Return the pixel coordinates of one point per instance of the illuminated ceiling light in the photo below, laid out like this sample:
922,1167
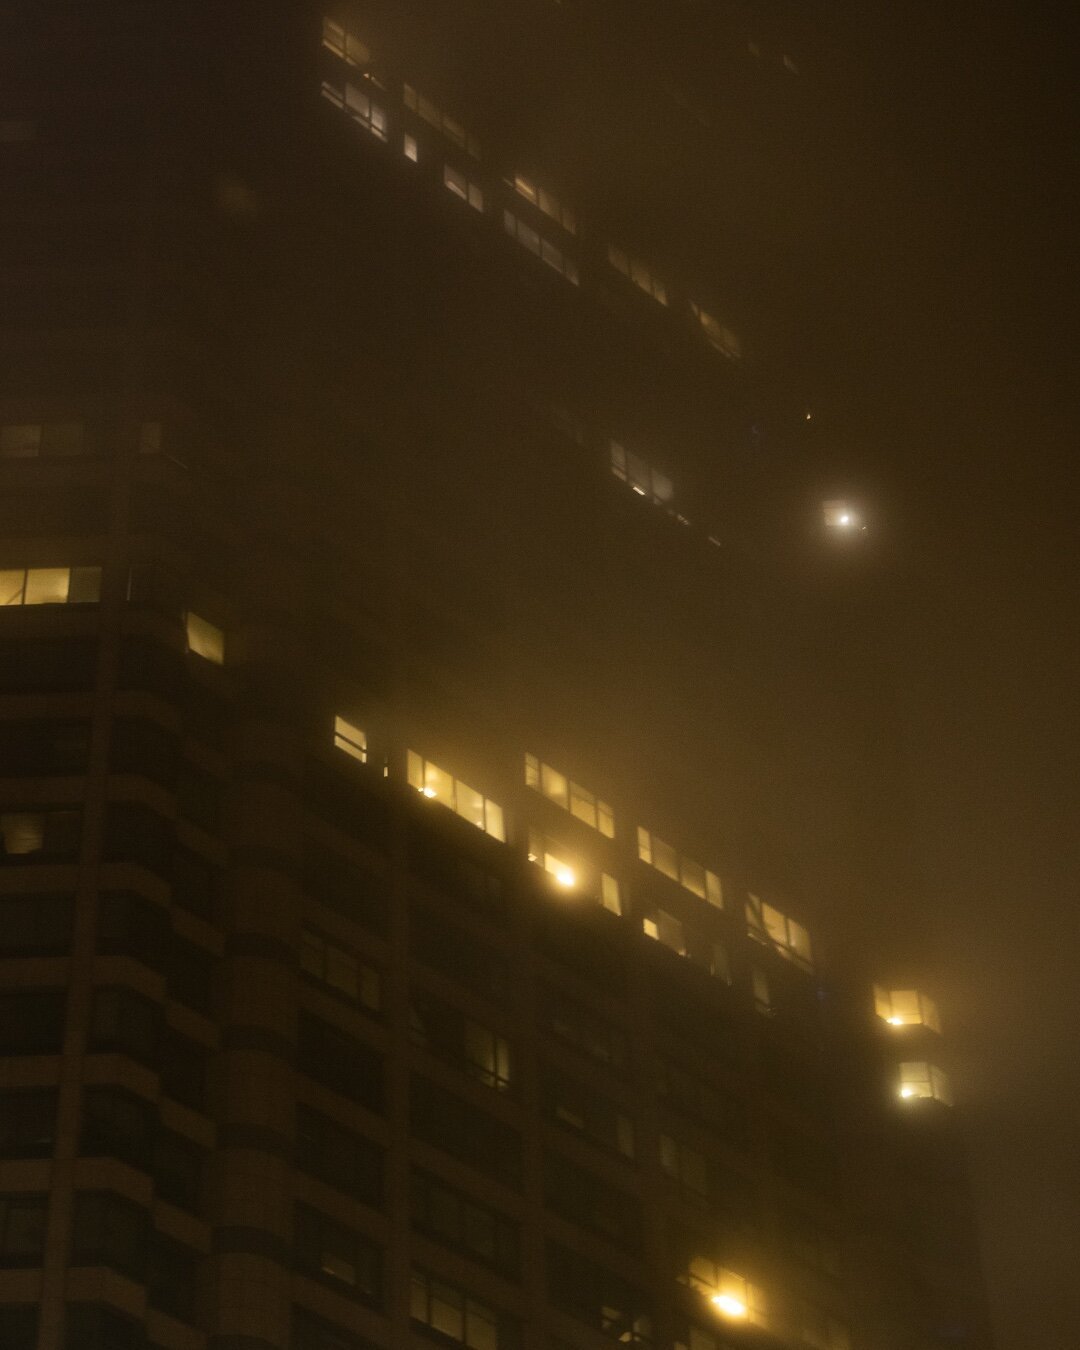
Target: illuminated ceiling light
428,792
895,1021
565,876
845,519
728,1305
907,1092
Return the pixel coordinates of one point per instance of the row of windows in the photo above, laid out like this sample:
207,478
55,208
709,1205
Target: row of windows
50,586
351,49
571,796
438,785
696,879
767,925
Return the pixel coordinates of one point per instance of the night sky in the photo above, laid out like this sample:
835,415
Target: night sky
949,393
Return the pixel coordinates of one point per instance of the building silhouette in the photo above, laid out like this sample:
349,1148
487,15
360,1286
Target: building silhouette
412,806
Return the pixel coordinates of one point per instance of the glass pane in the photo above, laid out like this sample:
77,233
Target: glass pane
205,639
714,892
665,859
481,1330
494,821
469,804
47,585
12,583
84,588
22,832
525,188
532,771
644,845
692,875
447,1314
583,805
553,785
438,784
609,893
350,739
605,820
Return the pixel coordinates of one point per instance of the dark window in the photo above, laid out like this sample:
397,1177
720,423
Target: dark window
194,883
457,954
91,1326
598,1297
173,1277
18,1327
346,887
27,1122
39,836
574,1024
146,748
586,1112
190,973
54,665
129,925
147,665
198,798
587,1200
691,1096
345,803
339,1157
178,1170
36,924
32,1022
334,1253
41,748
136,834
464,1224
336,1059
126,1023
446,1032
312,1333
183,1070
465,1132
576,943
446,869
22,1229
450,1314
117,1124
110,1231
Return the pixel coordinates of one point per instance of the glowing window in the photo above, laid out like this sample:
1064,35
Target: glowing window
22,832
459,185
767,925
640,477
410,147
636,271
906,1008
345,44
363,111
609,893
558,260
731,1295
546,202
692,876
921,1080
205,639
446,125
350,739
724,339
571,796
50,586
339,970
665,929
438,785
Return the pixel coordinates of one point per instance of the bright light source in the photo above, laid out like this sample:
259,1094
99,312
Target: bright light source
845,519
565,876
840,515
428,792
895,1021
908,1092
728,1305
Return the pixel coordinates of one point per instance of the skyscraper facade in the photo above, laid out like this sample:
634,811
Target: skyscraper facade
413,817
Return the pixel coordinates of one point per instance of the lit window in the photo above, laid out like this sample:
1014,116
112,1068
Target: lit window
841,517
338,39
546,202
724,339
571,796
692,876
767,925
919,1079
435,117
438,785
457,1316
906,1008
350,739
665,929
546,251
361,109
731,1295
460,186
638,273
205,639
50,586
640,477
684,1165
410,147
609,893
487,1055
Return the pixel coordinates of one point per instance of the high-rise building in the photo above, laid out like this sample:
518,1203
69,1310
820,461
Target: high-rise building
415,803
